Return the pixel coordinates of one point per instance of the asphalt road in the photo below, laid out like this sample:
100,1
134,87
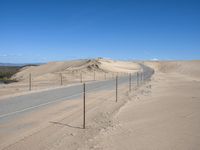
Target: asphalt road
14,106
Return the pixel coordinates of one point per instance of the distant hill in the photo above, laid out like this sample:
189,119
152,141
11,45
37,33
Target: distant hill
7,70
20,65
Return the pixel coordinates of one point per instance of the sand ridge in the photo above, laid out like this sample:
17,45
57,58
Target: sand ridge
51,69
49,75
189,68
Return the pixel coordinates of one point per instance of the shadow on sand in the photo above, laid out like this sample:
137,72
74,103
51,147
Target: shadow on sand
67,125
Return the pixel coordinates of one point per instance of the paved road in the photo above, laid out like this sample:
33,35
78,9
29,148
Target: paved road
12,107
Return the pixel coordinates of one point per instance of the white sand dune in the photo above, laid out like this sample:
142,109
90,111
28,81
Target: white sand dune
190,68
49,70
49,75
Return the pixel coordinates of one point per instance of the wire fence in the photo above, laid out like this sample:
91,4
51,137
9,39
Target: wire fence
108,82
131,80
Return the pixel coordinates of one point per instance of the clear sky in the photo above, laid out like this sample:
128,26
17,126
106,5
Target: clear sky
50,30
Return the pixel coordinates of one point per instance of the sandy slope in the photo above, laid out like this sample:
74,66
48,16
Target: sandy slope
165,115
49,75
190,68
51,69
162,114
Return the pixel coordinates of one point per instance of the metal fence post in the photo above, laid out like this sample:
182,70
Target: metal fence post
83,105
61,79
116,88
30,82
137,79
130,82
94,75
81,77
141,77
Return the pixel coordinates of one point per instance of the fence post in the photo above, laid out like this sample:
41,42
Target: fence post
116,88
83,105
81,77
61,79
30,82
137,79
130,82
141,77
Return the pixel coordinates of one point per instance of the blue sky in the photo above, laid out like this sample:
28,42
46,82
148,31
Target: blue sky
51,30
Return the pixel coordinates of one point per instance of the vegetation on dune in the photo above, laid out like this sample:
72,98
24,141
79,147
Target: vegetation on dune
6,72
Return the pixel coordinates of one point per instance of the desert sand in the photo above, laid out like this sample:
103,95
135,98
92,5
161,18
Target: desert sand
163,113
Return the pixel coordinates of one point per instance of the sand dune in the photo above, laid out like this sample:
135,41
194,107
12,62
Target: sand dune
190,68
49,70
49,75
